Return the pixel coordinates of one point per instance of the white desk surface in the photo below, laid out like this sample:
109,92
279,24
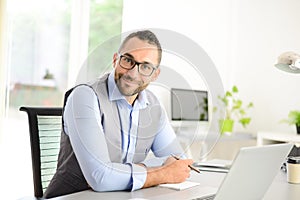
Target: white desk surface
279,190
264,137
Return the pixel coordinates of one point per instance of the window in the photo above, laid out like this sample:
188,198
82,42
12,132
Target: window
104,37
39,46
105,21
39,57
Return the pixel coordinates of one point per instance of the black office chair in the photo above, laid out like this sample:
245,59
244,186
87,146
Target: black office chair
45,129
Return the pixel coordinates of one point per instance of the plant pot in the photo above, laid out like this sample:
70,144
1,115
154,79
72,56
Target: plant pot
298,129
226,126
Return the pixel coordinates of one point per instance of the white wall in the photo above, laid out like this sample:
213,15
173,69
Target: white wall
265,29
208,25
244,39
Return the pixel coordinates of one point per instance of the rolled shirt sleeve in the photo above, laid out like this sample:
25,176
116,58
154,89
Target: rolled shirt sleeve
139,175
82,123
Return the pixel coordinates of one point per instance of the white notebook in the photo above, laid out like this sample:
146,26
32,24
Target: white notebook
180,186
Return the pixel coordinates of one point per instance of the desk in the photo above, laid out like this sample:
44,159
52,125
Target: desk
207,148
279,190
264,138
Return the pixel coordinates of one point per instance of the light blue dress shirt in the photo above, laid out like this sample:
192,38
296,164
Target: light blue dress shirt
83,125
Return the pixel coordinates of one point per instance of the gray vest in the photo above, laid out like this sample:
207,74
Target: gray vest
68,177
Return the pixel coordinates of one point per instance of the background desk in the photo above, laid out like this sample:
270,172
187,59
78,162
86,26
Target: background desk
279,190
264,137
226,147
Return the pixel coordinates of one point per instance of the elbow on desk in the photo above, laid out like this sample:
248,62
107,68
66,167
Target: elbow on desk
103,187
97,182
97,186
103,182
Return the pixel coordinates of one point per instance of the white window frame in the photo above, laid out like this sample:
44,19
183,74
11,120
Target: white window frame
79,39
3,61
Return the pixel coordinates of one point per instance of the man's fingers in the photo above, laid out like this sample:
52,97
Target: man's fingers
189,161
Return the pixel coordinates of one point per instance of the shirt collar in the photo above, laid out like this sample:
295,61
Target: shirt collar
114,94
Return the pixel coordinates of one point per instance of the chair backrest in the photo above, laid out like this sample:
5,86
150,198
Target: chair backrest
44,129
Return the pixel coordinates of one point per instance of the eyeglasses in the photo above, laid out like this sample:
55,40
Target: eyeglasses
126,62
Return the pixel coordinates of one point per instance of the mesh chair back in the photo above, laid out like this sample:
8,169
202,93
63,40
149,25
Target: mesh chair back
45,129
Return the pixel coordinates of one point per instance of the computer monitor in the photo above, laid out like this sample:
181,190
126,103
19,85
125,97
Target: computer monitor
189,105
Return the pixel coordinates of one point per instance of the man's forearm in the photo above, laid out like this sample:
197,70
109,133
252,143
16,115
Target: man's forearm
155,176
173,171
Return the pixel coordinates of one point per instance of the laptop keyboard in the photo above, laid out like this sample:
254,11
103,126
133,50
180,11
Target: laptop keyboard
211,197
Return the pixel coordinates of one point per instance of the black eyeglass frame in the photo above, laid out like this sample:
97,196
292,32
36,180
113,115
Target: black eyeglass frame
135,63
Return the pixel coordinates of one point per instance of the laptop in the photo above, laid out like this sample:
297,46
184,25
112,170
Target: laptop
251,173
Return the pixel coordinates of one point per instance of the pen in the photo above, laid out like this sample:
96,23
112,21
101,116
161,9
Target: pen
190,166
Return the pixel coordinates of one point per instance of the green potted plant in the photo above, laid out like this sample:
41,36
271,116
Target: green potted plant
233,109
294,119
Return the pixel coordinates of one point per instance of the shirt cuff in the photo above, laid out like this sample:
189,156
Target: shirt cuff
139,175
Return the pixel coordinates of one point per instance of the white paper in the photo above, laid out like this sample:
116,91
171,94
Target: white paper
180,186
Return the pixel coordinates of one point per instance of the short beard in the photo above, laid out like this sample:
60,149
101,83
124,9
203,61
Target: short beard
124,91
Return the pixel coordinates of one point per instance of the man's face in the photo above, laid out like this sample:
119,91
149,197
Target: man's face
129,81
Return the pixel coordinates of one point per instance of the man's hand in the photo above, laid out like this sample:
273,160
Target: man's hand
176,171
172,171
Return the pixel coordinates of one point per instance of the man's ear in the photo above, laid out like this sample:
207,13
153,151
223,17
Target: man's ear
115,59
155,74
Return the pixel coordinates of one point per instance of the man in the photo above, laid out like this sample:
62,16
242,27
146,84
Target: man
110,125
